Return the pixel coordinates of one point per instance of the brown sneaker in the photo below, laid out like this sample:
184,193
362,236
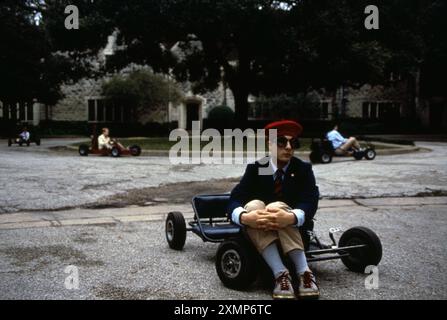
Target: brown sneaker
308,288
283,287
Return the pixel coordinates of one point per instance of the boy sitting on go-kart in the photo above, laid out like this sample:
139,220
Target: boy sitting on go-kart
23,136
271,207
342,146
105,142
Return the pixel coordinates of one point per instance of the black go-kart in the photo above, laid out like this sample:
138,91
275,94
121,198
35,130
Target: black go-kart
322,151
21,142
238,264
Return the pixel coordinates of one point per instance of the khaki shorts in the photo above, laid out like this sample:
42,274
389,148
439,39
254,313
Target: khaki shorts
289,237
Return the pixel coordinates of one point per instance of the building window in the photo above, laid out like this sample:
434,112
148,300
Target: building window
381,110
102,110
21,111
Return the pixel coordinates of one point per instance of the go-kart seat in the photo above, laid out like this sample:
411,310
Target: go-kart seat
208,209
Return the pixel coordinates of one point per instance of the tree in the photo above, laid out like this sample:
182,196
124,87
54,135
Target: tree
30,64
141,90
262,47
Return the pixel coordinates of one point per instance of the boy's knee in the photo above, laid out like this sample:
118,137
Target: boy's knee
254,205
277,205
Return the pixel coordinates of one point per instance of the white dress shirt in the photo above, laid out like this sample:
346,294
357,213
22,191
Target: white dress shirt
336,138
104,142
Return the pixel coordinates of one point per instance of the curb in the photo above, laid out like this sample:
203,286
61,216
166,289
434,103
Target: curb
396,149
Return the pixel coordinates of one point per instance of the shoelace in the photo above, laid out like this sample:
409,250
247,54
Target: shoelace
284,281
308,279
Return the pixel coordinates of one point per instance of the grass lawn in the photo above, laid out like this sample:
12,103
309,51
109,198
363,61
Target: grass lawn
163,143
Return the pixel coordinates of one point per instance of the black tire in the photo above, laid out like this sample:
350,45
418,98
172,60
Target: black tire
370,154
83,150
20,143
175,230
9,142
359,259
236,264
325,158
115,152
28,143
135,150
38,142
313,157
358,155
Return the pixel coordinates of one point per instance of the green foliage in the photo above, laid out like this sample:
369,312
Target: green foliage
223,113
284,106
142,89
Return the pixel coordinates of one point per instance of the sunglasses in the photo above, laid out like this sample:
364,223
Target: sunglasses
282,142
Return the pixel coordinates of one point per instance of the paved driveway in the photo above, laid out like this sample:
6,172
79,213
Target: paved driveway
36,178
131,260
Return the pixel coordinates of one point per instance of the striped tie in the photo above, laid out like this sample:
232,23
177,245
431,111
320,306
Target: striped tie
278,183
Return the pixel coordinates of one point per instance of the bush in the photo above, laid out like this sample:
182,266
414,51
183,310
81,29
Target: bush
284,106
220,117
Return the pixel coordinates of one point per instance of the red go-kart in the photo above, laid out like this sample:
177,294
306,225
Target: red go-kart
115,151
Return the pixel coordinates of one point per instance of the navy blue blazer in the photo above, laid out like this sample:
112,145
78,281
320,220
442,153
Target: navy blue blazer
298,188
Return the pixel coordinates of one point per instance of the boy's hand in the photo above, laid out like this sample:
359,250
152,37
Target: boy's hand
277,219
254,219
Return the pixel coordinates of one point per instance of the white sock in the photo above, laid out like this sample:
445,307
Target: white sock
299,260
273,259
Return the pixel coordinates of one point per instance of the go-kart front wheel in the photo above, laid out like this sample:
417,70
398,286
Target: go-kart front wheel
38,142
135,150
9,142
175,230
236,264
115,152
370,154
358,259
83,150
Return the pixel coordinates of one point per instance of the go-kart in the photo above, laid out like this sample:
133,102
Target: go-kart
237,261
322,151
115,151
32,139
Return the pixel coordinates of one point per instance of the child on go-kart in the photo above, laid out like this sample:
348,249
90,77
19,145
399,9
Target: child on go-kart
342,146
23,136
104,141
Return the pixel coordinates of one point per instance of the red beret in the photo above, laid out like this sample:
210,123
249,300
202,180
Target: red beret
285,128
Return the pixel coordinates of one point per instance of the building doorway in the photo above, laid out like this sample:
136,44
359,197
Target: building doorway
192,113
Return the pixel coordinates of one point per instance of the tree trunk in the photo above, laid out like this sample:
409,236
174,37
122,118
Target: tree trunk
240,107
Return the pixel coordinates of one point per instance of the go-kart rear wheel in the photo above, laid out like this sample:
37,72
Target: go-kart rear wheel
115,152
175,230
9,142
370,154
236,264
358,155
83,150
313,157
28,143
135,150
325,158
359,259
38,142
